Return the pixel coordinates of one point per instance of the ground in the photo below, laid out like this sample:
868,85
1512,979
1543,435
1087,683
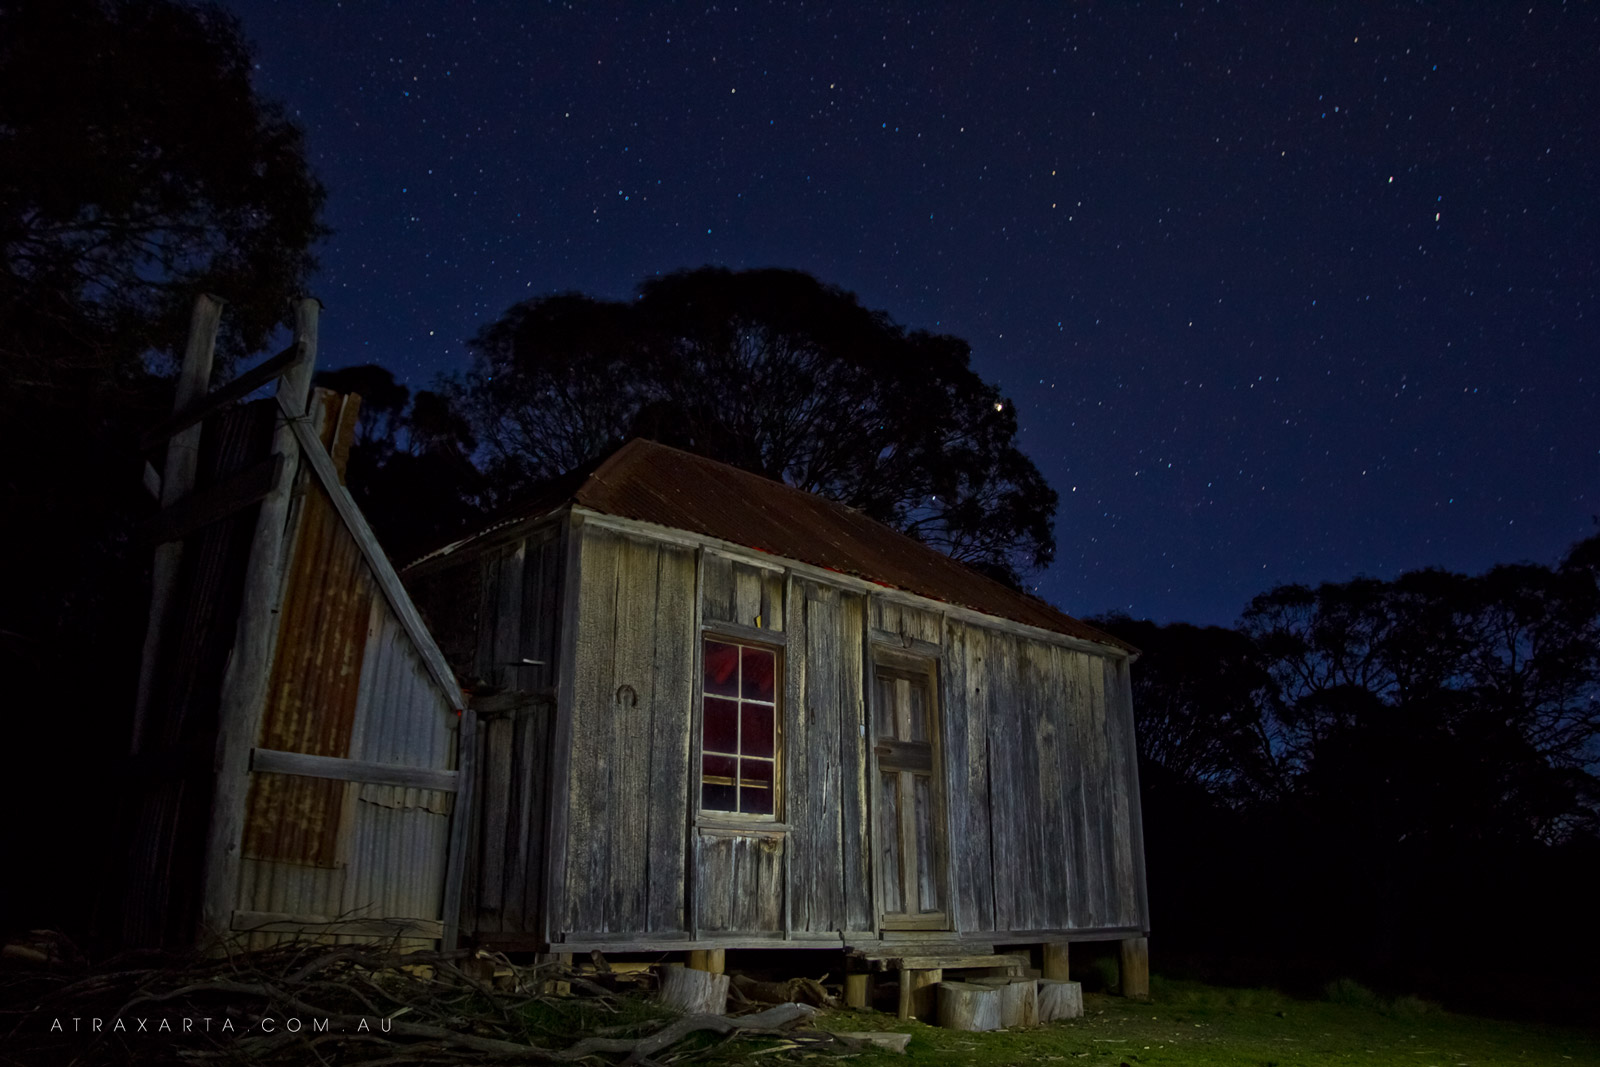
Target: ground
1196,1025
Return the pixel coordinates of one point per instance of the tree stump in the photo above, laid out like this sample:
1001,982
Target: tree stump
1019,1000
694,992
1056,966
968,1006
858,991
1059,1000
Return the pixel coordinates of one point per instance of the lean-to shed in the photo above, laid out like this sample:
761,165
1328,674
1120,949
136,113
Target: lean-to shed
293,771
714,711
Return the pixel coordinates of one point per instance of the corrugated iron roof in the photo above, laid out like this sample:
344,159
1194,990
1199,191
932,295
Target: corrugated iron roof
652,482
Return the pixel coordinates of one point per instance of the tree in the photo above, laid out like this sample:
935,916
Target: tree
137,168
1485,689
1202,700
777,373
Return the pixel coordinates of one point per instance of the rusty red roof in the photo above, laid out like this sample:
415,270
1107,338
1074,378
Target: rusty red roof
651,482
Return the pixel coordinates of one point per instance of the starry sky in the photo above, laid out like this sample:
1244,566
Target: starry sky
1283,292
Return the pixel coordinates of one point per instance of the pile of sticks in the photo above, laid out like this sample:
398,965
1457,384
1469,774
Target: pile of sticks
313,1003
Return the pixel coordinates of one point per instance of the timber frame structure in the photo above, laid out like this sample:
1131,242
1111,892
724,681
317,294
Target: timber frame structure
948,763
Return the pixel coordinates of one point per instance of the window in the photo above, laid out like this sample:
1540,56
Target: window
739,729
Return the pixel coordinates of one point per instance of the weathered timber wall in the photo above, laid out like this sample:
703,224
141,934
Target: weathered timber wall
1041,811
826,755
627,773
1041,786
496,616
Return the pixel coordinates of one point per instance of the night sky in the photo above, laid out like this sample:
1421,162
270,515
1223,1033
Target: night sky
1282,291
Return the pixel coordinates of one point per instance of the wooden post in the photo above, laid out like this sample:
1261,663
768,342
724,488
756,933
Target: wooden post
461,821
177,482
1055,964
244,683
858,991
713,960
1136,967
919,991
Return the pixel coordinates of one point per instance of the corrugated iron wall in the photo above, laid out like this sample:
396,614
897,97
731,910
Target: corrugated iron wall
346,683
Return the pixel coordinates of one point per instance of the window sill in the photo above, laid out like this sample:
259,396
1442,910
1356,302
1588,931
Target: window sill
732,826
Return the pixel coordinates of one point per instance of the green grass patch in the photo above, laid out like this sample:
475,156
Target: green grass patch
558,1023
1196,1025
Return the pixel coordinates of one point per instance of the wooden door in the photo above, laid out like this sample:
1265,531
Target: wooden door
909,802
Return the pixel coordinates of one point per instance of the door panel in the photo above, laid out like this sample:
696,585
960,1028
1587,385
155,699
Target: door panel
910,845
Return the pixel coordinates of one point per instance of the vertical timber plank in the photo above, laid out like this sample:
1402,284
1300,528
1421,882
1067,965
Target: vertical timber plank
177,481
673,712
860,911
461,818
630,711
559,769
244,683
590,825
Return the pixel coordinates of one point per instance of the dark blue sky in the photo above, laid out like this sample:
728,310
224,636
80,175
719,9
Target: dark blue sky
1282,291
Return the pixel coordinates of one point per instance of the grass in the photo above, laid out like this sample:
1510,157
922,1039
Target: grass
1197,1025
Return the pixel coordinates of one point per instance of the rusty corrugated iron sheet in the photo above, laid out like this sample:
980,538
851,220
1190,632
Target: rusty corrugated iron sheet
316,673
654,483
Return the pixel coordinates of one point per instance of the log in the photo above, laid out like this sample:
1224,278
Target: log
858,991
884,1039
694,992
1059,1000
1055,962
794,991
1019,1000
968,1006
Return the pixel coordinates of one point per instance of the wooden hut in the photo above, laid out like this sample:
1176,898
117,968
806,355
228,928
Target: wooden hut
717,712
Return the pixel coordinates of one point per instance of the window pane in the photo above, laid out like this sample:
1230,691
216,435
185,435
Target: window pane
755,786
721,725
717,790
885,708
919,713
757,739
758,668
721,669
927,881
889,842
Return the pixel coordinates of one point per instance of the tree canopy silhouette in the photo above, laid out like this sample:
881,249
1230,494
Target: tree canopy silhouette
775,372
1363,767
137,168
